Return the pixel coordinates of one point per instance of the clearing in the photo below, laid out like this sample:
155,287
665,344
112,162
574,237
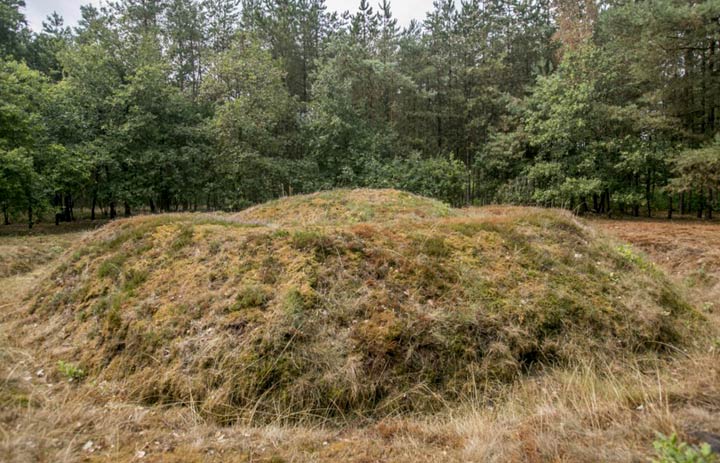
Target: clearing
369,326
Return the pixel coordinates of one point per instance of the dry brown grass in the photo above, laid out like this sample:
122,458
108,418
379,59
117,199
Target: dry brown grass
605,410
343,207
565,416
22,254
688,250
347,322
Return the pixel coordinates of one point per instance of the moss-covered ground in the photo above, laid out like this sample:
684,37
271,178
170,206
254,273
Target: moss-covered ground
350,314
483,335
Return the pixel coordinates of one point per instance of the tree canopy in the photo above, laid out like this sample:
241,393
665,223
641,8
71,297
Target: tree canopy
163,105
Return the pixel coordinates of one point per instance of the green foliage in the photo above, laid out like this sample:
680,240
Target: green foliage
133,278
112,266
184,238
26,156
254,109
435,246
252,296
70,371
670,449
14,36
201,104
439,178
697,170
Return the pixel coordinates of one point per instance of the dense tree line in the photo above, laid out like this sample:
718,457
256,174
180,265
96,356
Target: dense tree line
217,104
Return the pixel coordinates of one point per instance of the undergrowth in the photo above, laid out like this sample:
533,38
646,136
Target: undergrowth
670,449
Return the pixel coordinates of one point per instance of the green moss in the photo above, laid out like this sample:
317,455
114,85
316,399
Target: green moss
294,302
214,247
133,278
473,228
359,320
270,270
112,266
671,298
152,340
313,241
556,311
251,296
183,238
105,303
552,220
280,234
307,239
435,246
219,276
113,320
60,299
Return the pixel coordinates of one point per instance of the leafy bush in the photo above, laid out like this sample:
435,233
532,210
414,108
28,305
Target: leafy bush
672,450
70,371
435,177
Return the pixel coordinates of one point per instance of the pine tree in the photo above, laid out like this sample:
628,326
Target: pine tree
223,20
185,39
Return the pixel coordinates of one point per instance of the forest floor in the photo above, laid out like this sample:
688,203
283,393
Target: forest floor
688,250
563,416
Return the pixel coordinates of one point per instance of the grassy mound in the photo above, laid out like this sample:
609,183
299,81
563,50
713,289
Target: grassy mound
350,319
344,207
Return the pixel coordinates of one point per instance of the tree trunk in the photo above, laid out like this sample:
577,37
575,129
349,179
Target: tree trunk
609,202
127,209
670,206
30,215
682,203
648,194
6,215
711,77
584,207
69,204
94,203
701,205
709,213
94,194
113,212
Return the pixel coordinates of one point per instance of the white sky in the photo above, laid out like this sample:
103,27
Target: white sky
37,10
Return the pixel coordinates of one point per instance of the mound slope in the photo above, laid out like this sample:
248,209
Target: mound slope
347,319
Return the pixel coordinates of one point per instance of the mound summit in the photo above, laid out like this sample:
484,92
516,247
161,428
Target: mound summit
347,303
346,207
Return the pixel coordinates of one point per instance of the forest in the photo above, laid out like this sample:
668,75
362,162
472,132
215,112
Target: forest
606,106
